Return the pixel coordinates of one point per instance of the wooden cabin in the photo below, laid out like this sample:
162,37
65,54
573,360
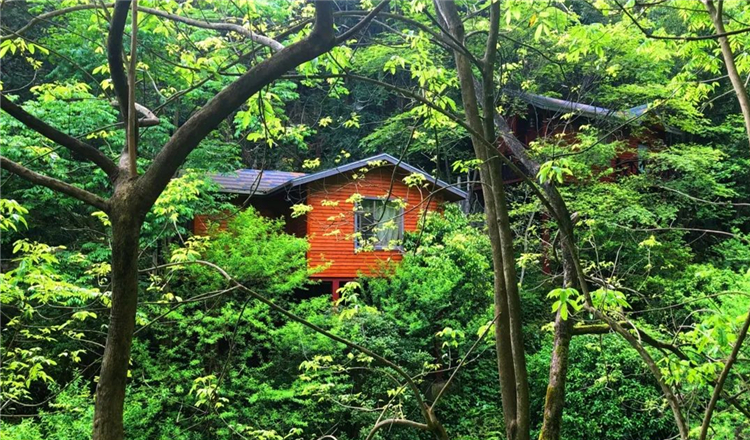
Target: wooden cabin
545,117
354,216
540,117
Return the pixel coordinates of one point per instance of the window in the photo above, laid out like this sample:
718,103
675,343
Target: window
379,224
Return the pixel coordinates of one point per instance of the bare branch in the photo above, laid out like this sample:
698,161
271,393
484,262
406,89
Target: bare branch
260,39
49,15
74,145
698,199
114,55
396,422
54,184
414,23
149,119
600,329
362,23
647,34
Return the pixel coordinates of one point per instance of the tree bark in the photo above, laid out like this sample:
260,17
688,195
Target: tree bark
555,398
110,391
554,402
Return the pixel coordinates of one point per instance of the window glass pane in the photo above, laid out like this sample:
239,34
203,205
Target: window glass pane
379,224
388,228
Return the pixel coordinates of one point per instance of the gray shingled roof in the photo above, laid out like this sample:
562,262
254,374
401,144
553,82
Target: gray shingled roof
255,182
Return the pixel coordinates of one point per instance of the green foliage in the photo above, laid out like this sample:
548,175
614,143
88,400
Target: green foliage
609,393
208,361
255,251
45,317
565,298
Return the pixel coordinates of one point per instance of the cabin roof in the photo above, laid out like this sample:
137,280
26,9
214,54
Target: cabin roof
586,110
258,182
591,111
253,182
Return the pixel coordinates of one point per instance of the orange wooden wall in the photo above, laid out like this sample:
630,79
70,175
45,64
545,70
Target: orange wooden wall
329,228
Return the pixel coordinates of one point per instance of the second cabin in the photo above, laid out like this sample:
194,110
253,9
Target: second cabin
354,216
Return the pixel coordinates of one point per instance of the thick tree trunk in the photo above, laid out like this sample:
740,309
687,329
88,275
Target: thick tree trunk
110,391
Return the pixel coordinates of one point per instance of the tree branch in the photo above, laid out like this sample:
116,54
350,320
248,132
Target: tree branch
397,422
723,378
362,23
436,35
188,136
603,328
114,55
45,16
647,34
54,184
231,27
74,145
219,26
149,119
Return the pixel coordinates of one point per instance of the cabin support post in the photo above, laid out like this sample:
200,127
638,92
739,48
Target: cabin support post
335,286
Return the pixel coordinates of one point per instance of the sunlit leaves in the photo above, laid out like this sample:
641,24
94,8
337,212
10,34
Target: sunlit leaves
300,209
175,200
265,120
554,171
609,300
206,392
57,91
32,293
451,337
566,299
352,122
12,215
21,46
193,249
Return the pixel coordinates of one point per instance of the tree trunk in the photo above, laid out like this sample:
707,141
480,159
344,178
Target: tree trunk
511,358
110,391
554,402
726,51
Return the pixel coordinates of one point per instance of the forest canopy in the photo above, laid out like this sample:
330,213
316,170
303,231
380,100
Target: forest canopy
593,282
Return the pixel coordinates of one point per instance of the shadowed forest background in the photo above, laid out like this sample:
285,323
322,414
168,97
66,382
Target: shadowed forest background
605,243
